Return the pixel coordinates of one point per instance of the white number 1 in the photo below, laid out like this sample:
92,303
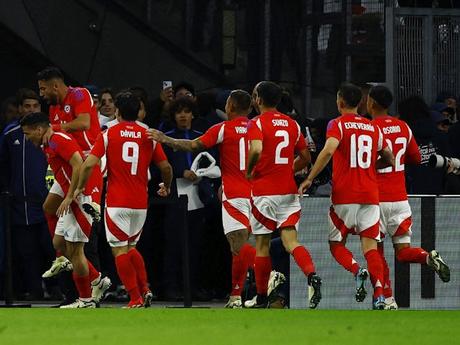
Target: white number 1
131,157
242,149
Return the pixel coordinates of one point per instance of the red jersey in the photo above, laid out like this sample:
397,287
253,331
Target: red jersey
129,153
354,176
77,101
233,149
281,137
399,138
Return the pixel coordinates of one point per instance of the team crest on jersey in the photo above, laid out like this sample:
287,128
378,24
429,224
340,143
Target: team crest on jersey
56,117
67,108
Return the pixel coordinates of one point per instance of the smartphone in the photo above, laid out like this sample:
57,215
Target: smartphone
167,84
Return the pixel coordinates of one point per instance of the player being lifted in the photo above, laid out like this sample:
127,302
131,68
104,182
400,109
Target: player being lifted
354,143
229,136
273,140
71,110
129,154
74,225
395,211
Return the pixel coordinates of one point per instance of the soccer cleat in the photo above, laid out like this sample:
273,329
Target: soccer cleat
379,303
234,302
314,290
98,289
257,302
361,278
275,281
59,265
93,209
147,297
79,304
390,303
436,262
139,303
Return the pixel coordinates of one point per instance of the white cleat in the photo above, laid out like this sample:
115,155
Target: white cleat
390,303
59,265
79,304
93,209
234,302
436,262
99,288
274,283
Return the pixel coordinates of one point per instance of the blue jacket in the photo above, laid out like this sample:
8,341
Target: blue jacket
22,173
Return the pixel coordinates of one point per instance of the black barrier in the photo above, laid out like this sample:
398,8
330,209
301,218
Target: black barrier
8,276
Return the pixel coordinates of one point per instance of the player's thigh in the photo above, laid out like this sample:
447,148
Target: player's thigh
53,199
75,226
122,225
342,221
137,221
400,222
236,239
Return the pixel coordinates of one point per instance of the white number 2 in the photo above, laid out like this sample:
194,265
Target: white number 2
285,135
399,165
360,151
130,154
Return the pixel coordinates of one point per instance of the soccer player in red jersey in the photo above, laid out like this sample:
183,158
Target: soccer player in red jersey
129,153
273,140
229,136
73,111
395,211
354,143
74,225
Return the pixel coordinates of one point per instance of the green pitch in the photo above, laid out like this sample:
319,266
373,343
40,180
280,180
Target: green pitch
109,326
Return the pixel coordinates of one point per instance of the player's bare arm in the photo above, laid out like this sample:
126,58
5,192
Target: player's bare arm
166,176
85,172
176,144
76,161
323,159
386,159
302,160
255,150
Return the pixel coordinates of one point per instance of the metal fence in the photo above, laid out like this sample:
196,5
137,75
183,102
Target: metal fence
423,52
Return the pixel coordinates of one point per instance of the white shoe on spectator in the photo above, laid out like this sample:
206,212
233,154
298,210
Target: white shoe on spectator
60,264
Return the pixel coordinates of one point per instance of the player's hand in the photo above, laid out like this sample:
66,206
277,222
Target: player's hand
47,136
305,185
64,207
156,135
167,95
190,175
163,191
77,192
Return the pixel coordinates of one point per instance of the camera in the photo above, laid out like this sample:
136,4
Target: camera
450,165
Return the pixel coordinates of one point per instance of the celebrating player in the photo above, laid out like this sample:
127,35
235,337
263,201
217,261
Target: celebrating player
236,190
74,225
71,110
395,211
129,153
273,138
353,142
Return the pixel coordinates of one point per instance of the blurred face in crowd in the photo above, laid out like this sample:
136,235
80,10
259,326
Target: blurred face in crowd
34,134
107,105
29,105
11,113
184,119
181,93
451,102
49,90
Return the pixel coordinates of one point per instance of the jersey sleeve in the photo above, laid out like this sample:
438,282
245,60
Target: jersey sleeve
254,130
212,136
82,101
64,147
413,155
334,130
98,149
158,153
